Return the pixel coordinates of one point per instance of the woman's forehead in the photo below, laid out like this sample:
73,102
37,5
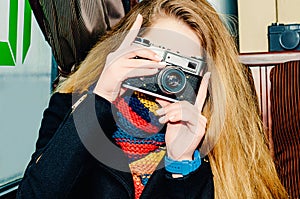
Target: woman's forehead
175,35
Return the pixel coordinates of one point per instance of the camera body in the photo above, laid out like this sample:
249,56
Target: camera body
178,81
284,37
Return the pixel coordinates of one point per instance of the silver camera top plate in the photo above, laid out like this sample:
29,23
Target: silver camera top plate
193,65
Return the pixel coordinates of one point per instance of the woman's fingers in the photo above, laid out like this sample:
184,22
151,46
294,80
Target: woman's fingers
131,56
162,102
133,32
202,92
177,112
142,63
137,68
143,72
134,52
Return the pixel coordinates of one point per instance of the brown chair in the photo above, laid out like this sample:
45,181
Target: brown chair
277,82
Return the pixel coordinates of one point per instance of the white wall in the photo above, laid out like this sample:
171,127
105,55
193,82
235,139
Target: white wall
256,15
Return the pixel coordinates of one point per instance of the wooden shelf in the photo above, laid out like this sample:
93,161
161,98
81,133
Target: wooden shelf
268,58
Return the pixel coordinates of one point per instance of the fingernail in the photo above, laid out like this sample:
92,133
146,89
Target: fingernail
160,111
171,118
208,74
157,57
162,63
140,15
162,119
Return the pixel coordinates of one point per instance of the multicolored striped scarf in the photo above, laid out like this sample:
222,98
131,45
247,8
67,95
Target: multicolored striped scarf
140,135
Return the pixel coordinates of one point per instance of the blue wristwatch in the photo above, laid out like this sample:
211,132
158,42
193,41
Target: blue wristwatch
183,167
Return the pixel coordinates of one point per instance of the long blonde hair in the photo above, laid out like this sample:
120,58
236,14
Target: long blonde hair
239,157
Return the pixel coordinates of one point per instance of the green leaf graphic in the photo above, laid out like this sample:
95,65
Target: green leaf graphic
9,49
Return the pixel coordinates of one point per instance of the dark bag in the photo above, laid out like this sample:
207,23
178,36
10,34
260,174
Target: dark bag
72,27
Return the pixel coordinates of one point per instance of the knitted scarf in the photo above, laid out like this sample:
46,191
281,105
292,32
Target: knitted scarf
140,136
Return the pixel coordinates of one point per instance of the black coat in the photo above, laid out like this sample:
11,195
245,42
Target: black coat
67,169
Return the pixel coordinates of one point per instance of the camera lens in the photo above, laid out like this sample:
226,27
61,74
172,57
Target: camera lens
289,39
171,80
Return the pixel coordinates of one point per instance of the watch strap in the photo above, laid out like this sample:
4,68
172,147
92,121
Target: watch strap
183,167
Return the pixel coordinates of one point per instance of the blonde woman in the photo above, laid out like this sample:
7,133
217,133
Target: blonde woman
121,143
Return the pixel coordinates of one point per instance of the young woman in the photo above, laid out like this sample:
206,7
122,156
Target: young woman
120,143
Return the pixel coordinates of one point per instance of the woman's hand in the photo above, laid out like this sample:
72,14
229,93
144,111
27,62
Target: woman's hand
185,124
123,63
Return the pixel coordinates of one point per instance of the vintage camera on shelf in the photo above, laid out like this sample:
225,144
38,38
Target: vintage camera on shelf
284,37
178,81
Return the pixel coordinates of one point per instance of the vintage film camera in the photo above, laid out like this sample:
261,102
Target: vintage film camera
178,81
284,37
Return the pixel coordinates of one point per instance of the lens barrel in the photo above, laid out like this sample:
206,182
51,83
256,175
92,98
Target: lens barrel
171,80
